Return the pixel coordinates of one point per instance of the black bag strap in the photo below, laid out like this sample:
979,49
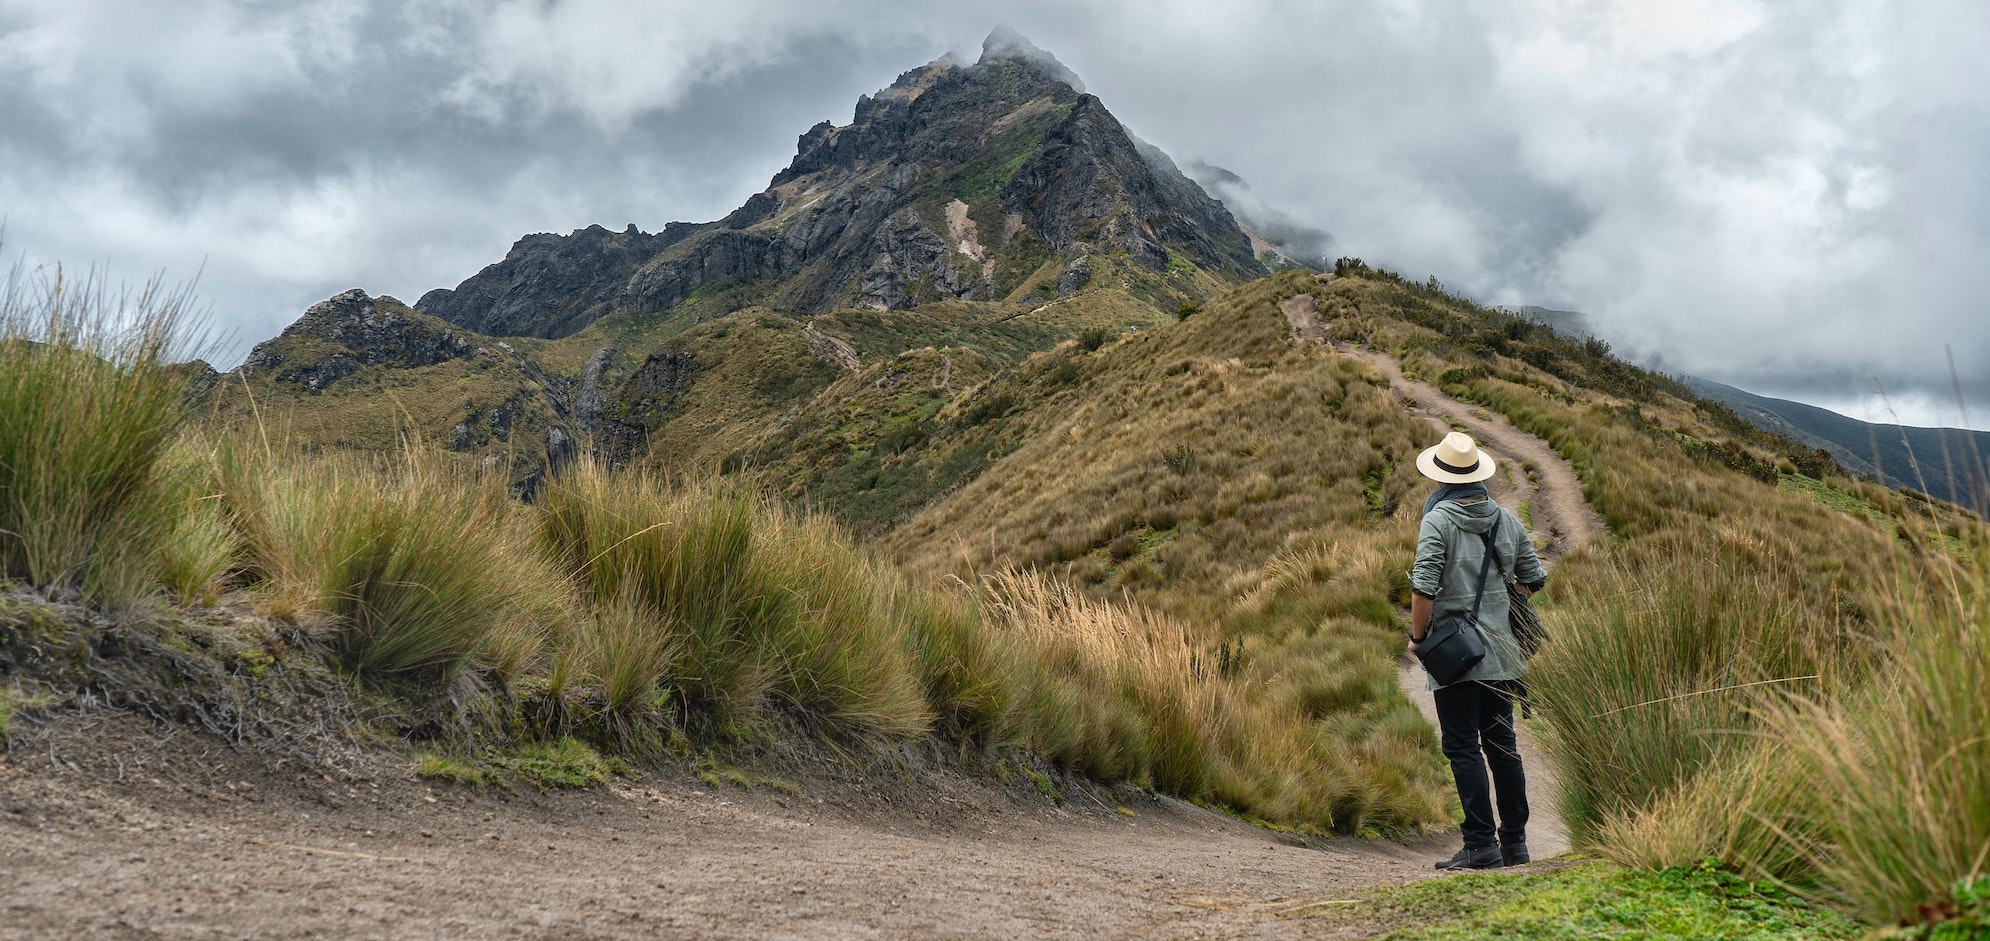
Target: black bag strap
1492,553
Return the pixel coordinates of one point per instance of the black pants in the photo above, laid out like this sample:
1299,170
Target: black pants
1476,721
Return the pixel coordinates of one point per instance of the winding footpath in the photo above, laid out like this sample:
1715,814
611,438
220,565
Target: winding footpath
1533,481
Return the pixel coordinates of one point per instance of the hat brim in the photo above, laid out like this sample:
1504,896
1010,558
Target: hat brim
1426,463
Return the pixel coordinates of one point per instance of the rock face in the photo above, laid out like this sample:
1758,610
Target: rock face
863,214
550,285
642,403
336,337
592,396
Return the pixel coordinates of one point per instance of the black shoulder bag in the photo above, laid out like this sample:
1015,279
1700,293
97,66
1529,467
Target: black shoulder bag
1455,643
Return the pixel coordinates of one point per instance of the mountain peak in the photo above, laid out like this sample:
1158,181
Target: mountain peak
995,181
1005,43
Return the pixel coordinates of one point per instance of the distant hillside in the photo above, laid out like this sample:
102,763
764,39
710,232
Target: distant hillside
1942,462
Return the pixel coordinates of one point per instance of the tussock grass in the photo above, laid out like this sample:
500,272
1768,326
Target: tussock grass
1122,692
1657,668
758,602
405,565
88,415
1899,771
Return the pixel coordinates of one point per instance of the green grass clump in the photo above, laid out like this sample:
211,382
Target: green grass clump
1598,900
564,763
410,565
1657,669
88,412
436,767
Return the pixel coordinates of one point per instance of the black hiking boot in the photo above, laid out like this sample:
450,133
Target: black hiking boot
1485,857
1514,854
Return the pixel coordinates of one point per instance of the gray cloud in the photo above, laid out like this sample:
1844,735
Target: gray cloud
1785,197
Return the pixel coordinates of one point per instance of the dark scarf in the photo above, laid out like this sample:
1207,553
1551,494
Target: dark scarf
1453,492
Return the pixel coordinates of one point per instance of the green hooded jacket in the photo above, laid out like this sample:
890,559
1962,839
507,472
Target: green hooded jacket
1450,547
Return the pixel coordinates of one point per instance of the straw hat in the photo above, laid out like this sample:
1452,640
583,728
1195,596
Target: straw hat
1455,460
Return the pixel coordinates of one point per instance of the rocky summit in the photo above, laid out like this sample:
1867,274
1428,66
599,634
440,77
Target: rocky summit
956,182
968,217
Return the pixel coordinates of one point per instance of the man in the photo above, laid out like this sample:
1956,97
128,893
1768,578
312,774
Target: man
1475,714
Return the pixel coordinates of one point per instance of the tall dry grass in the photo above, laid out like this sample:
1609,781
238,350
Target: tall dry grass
1898,771
405,564
756,603
1122,692
88,414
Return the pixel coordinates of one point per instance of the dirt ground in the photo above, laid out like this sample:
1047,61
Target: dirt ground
108,832
112,828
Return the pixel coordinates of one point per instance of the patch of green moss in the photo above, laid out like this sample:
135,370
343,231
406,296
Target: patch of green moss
1044,784
1824,493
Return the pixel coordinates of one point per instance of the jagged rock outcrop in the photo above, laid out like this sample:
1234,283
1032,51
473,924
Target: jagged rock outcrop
1075,277
592,395
337,336
481,426
642,404
552,285
861,216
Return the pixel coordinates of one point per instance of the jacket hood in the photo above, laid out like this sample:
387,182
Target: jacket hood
1476,516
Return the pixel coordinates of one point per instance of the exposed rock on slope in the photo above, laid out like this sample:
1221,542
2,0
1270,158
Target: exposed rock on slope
644,402
335,337
550,285
1008,147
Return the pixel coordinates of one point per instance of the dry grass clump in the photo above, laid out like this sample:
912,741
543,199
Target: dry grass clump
407,565
1898,772
88,414
728,601
1121,692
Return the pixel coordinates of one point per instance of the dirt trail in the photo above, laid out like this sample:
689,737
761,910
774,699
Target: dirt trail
1535,482
106,832
171,842
1531,474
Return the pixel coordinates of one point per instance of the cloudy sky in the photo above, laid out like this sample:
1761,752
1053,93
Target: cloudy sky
1791,197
